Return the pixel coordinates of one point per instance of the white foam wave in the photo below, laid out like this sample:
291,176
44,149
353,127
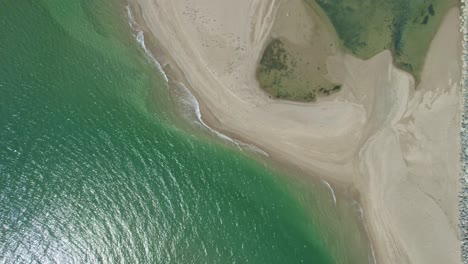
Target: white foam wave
372,259
358,207
196,108
254,149
140,37
331,190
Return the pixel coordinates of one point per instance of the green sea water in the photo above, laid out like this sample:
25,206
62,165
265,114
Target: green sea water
93,168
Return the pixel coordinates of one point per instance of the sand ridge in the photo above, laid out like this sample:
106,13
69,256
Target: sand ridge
398,146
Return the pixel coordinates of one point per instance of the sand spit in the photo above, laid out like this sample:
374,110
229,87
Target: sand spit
396,145
189,98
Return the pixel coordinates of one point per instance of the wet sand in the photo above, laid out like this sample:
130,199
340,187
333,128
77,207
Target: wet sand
397,146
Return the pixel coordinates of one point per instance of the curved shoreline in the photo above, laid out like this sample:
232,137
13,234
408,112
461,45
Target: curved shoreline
237,141
193,100
340,67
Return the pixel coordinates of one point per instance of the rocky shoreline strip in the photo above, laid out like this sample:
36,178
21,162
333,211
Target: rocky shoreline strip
463,202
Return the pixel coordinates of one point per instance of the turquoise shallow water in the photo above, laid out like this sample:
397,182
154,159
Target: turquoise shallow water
93,170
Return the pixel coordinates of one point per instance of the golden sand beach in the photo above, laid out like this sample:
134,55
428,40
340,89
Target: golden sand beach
394,144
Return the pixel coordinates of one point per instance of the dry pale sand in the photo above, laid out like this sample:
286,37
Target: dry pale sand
397,145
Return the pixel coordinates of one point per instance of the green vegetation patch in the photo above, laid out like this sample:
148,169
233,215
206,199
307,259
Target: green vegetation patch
406,27
275,57
288,72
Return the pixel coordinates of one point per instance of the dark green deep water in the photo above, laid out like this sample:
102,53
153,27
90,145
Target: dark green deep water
93,170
